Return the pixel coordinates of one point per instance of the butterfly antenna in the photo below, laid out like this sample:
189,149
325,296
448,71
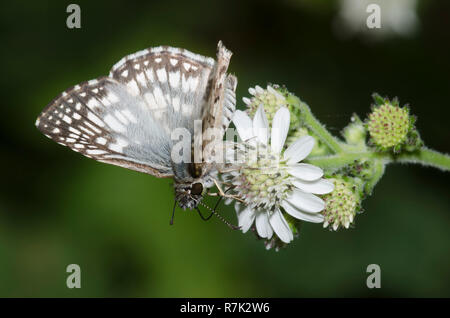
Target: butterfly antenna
220,217
201,215
173,213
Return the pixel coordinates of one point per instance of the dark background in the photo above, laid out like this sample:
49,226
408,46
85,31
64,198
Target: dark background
58,208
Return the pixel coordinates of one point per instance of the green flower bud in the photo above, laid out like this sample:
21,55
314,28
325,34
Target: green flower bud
272,99
388,126
358,170
355,132
342,204
391,128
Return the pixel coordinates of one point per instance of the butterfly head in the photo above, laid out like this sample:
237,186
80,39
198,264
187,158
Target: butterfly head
189,195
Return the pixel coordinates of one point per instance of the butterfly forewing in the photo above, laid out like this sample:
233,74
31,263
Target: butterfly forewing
221,105
173,83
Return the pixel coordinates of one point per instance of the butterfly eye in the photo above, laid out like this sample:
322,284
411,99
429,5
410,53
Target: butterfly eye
197,188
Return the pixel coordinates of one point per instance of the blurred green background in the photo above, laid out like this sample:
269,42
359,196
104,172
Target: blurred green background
59,208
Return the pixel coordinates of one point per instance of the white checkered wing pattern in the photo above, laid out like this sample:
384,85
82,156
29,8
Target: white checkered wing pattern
126,118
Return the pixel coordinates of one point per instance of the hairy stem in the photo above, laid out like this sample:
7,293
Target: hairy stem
340,160
316,127
426,157
377,173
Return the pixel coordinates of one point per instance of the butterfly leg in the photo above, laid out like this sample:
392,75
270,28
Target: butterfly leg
221,193
230,170
234,197
219,188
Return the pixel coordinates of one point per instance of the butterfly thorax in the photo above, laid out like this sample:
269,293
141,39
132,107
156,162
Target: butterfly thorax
191,181
188,195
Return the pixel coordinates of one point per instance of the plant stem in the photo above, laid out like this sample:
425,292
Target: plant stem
316,127
337,161
377,173
426,157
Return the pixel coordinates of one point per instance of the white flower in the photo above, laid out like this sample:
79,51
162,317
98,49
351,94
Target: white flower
271,180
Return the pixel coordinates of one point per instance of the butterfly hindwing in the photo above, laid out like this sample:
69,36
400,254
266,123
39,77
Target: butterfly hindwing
102,120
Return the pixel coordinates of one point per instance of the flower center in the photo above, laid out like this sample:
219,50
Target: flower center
263,181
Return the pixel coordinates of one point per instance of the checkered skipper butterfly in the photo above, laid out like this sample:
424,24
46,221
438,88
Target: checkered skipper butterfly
126,118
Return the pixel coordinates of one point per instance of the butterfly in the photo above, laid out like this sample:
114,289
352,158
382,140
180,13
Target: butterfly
126,118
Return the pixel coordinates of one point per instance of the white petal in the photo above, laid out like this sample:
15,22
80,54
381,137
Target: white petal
262,225
301,215
305,201
299,149
246,218
243,125
261,125
259,89
321,186
305,171
273,91
280,128
280,226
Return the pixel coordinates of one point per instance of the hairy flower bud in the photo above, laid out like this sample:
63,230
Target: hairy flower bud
391,127
341,205
272,99
355,132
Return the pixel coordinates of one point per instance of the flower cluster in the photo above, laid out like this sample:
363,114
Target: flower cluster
291,170
273,183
